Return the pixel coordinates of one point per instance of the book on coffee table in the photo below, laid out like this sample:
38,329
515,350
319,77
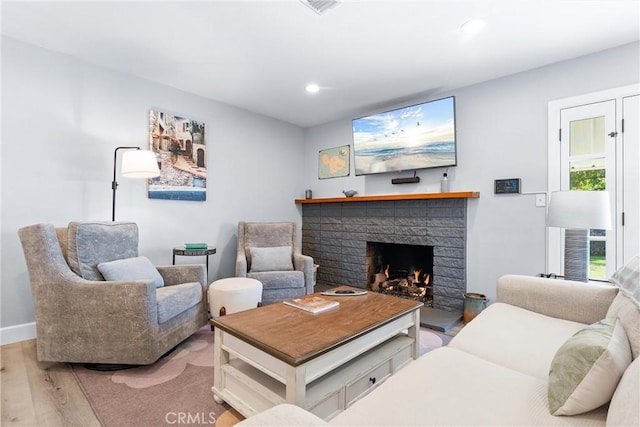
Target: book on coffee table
312,304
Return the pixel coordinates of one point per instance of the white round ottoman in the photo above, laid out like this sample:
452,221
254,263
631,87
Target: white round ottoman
234,294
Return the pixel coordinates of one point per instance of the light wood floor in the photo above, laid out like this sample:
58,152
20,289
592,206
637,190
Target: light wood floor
39,394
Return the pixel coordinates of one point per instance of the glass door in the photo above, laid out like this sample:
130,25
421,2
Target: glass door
588,146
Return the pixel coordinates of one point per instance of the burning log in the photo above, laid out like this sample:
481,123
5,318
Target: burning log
378,281
403,283
416,275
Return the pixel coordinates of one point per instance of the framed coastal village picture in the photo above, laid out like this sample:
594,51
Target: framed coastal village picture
179,144
333,162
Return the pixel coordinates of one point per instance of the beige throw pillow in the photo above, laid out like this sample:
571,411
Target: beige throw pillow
587,368
626,305
624,409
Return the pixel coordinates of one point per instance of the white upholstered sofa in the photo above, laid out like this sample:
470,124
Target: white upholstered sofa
496,371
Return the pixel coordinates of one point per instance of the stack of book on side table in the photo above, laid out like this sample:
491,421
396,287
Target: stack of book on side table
312,304
196,246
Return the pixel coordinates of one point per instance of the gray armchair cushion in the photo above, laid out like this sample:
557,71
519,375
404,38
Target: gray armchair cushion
138,268
277,258
90,243
176,299
279,279
269,234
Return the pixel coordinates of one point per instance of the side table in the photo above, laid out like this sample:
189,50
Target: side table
194,252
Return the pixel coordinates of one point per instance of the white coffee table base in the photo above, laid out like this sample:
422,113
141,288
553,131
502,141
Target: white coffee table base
251,380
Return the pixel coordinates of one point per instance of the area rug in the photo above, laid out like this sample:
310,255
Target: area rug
176,390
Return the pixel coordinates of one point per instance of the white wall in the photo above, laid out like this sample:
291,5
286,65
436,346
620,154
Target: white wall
501,133
62,120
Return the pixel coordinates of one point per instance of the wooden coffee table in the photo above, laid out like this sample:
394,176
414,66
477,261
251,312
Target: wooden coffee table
321,362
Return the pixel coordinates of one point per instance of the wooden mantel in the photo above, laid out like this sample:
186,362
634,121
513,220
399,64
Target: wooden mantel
421,196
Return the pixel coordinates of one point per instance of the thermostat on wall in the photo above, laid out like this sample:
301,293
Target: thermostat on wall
507,186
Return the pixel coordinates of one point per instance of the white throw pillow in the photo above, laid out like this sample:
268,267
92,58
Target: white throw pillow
138,268
587,368
277,258
624,409
626,305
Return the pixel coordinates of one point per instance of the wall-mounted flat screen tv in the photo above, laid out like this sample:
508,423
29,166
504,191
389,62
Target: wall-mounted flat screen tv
416,137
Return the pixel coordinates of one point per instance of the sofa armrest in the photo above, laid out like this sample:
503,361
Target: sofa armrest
563,299
304,263
184,273
284,414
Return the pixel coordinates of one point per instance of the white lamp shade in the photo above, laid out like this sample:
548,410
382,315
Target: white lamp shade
579,210
139,164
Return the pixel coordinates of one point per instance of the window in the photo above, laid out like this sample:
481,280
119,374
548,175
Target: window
586,166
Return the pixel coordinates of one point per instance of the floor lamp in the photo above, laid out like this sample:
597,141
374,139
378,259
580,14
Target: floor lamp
578,212
136,163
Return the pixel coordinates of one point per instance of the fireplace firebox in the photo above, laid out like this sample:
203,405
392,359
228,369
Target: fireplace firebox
400,269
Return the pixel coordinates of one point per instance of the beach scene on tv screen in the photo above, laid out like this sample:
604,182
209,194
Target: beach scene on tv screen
416,137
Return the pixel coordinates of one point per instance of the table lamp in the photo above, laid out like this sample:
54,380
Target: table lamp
136,163
578,212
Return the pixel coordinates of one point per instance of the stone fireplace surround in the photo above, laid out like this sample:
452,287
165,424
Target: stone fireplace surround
335,233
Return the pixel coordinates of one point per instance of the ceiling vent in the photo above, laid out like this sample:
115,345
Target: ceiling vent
320,6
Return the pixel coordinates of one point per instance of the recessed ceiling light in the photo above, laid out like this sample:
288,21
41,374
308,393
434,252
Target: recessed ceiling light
312,88
473,26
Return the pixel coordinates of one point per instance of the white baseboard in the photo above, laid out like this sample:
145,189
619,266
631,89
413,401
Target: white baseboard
17,333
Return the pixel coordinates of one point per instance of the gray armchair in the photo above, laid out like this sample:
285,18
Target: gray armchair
82,318
269,252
